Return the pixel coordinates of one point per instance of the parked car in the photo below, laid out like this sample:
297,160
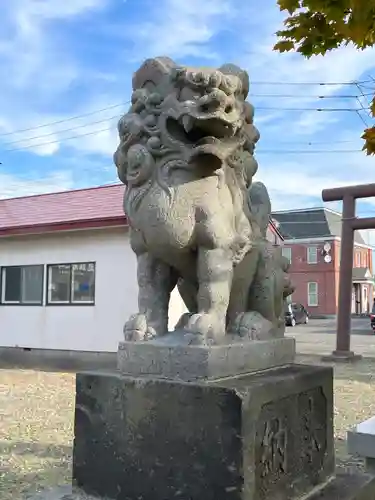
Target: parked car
372,317
295,314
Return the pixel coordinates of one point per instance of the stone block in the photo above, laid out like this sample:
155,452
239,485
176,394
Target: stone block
251,437
361,441
190,363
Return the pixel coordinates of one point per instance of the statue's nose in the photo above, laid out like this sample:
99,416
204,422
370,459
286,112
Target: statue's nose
216,101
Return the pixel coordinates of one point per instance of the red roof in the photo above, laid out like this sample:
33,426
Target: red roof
82,208
77,209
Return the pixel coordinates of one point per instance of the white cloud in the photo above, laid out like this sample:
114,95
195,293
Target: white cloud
12,186
36,66
297,184
180,29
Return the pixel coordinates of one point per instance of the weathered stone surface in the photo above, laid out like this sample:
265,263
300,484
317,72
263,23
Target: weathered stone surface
208,362
197,218
343,487
260,436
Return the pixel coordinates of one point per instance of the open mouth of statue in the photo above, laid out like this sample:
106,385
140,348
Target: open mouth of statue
198,132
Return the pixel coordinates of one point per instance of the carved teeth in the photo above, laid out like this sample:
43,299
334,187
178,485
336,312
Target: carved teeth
206,141
188,123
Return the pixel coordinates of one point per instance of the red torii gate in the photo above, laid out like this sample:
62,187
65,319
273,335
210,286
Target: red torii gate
348,195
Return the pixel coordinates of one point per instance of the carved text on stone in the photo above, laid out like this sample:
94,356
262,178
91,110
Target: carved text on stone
310,432
273,448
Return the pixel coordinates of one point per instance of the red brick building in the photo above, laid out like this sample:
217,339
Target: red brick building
312,239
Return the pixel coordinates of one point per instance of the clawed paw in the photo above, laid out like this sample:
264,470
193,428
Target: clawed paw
136,329
209,326
251,326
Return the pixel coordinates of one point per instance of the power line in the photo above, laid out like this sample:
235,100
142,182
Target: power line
312,143
76,117
356,110
61,131
59,140
321,84
306,151
118,116
121,104
294,96
261,151
71,118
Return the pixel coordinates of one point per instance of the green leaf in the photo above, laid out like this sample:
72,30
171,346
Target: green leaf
369,138
289,5
284,46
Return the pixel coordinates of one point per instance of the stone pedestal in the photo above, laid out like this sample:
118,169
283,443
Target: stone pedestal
189,363
235,422
255,437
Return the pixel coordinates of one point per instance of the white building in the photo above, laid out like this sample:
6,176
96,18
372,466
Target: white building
68,274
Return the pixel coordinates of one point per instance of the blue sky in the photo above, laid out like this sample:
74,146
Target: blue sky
66,58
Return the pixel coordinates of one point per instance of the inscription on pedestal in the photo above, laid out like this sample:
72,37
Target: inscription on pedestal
291,444
273,458
312,408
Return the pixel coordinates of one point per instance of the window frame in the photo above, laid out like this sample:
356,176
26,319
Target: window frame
311,247
358,258
70,302
4,302
309,304
289,258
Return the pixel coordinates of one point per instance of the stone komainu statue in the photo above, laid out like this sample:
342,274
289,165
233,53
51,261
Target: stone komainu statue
197,220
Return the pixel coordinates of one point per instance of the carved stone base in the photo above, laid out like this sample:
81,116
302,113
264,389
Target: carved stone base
188,363
259,436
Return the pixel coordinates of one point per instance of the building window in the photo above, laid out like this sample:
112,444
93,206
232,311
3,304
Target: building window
312,255
22,284
312,294
287,253
358,259
364,260
71,283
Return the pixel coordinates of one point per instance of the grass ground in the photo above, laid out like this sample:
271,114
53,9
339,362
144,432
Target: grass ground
36,417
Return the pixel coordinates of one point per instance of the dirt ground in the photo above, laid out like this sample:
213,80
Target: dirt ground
36,417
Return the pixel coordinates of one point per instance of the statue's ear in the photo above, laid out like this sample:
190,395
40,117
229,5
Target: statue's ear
153,73
232,69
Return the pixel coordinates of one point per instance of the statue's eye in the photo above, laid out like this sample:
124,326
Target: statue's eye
188,94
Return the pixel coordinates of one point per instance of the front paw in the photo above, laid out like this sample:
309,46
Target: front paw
251,326
209,326
136,329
